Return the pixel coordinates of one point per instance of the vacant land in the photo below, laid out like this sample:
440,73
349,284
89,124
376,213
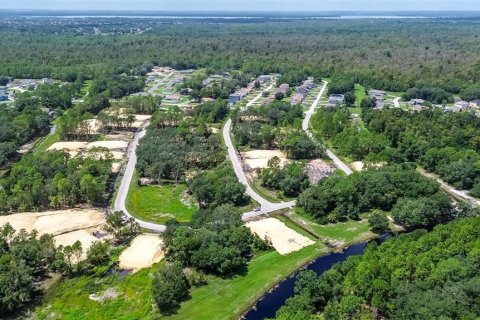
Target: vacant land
160,203
258,159
144,251
229,298
337,234
282,238
67,226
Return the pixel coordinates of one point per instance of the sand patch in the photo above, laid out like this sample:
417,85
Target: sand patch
142,117
116,166
68,145
55,222
67,226
109,144
258,159
144,251
357,165
282,238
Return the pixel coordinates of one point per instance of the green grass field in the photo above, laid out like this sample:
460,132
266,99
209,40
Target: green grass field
85,88
44,143
69,299
359,94
229,298
160,203
346,232
221,298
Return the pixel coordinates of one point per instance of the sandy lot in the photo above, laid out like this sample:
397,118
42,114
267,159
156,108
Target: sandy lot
67,226
94,125
116,167
142,117
116,155
357,165
55,222
68,145
109,144
144,251
283,239
258,159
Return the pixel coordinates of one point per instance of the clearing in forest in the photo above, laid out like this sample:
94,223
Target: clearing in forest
144,251
282,238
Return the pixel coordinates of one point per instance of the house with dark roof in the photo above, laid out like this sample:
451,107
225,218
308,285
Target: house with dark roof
379,97
474,104
3,94
336,99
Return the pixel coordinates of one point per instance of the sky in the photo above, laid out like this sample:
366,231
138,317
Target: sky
245,5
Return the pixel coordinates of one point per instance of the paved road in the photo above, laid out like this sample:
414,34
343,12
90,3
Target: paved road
125,184
265,205
396,102
459,194
251,102
157,85
305,126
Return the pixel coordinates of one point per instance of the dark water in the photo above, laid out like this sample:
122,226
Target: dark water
268,306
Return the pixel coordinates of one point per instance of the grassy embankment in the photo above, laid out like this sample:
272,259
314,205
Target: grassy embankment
160,203
221,298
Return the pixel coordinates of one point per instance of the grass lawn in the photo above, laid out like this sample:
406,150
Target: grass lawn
44,143
86,87
359,94
69,299
347,232
229,298
270,195
219,299
160,203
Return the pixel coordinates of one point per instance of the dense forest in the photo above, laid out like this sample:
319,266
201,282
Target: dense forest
448,145
276,126
53,180
419,275
384,54
414,201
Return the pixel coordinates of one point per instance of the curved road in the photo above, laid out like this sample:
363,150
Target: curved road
305,126
125,184
265,205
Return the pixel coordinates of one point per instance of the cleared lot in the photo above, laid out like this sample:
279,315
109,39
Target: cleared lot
282,238
144,251
67,226
258,159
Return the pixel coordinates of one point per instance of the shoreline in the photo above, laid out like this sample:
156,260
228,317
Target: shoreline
302,267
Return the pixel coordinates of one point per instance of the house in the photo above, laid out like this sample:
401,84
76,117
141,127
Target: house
379,97
47,80
238,95
418,108
263,78
172,98
475,104
336,99
454,109
3,94
417,102
297,99
462,105
207,99
283,88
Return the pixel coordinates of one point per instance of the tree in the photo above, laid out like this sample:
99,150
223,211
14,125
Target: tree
367,102
378,222
123,228
170,287
98,253
350,98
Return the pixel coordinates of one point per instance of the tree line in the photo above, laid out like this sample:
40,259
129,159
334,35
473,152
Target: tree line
419,275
